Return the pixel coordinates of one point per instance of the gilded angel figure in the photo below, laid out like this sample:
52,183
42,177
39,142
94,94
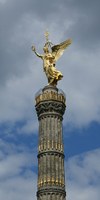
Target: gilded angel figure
50,56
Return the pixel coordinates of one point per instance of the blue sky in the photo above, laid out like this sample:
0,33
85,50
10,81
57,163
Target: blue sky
23,24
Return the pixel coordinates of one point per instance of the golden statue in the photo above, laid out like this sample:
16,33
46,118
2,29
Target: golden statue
51,54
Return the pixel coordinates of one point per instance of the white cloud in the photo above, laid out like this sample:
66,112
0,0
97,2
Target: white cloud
83,176
22,73
21,76
19,188
16,100
82,85
12,165
30,127
17,179
88,193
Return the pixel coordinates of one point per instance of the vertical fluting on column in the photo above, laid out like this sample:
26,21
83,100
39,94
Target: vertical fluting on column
50,107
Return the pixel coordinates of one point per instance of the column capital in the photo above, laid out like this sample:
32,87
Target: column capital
50,100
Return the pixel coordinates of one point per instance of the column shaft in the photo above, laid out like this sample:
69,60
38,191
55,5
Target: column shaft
50,107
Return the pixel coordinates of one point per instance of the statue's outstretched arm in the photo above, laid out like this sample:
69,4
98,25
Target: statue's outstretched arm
33,49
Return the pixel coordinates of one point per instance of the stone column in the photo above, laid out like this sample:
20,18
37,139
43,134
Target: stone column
50,107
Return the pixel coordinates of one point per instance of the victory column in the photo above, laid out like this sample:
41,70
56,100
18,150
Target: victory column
50,107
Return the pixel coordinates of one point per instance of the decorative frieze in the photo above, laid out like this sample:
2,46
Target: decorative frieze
50,107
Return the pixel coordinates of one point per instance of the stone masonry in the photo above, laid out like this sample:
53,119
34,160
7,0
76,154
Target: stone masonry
50,107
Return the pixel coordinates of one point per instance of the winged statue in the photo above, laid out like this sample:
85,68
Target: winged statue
58,50
51,54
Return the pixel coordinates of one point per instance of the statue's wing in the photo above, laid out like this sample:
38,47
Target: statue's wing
57,50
